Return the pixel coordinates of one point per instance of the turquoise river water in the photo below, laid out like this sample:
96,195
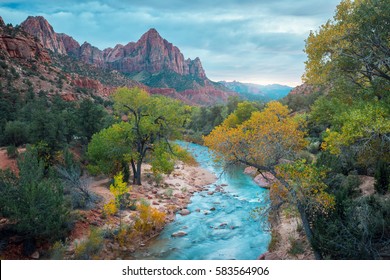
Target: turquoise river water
229,232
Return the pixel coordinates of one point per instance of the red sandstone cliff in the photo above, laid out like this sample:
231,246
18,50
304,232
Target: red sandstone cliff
21,46
41,29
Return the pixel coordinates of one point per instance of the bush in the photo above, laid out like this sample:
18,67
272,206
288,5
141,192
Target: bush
275,239
36,203
57,251
382,178
15,133
12,151
297,247
89,248
149,219
75,187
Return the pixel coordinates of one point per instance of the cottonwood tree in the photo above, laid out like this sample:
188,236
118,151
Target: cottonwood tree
355,44
152,121
269,141
350,55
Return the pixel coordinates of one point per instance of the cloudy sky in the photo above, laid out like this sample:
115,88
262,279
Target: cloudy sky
257,41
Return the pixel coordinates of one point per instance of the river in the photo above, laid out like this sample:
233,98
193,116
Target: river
221,226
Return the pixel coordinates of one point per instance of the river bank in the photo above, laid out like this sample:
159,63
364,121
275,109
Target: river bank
170,196
288,241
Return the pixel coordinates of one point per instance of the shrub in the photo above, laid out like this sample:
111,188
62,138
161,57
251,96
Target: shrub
89,248
149,219
297,247
275,239
382,177
15,133
57,251
40,211
12,151
110,208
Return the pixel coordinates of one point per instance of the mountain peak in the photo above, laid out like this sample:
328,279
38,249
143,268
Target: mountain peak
152,31
40,28
152,34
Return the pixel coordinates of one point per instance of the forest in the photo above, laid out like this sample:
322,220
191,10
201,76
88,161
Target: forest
320,147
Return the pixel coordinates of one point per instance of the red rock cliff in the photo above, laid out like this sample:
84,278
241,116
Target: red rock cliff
41,29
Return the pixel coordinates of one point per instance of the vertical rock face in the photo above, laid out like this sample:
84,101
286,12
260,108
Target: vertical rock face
152,54
21,46
91,54
41,29
72,47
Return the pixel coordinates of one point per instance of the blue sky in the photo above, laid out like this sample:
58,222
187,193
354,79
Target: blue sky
257,41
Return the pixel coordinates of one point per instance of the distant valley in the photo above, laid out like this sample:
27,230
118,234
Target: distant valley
255,92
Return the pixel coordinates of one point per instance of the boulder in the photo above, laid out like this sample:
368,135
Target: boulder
179,234
265,180
184,212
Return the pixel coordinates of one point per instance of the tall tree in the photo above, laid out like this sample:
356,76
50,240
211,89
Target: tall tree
151,121
269,141
355,44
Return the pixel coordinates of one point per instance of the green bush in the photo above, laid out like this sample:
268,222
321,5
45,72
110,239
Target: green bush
34,202
89,248
382,177
12,151
296,248
15,133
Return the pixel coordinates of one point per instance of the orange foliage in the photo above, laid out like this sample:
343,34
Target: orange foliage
264,139
150,219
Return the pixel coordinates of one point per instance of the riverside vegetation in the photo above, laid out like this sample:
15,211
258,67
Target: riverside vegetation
320,146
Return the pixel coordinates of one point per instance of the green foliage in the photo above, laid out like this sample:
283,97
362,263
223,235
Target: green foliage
89,249
12,151
34,202
111,149
297,247
382,177
301,102
204,119
163,161
57,251
152,122
15,133
91,119
360,229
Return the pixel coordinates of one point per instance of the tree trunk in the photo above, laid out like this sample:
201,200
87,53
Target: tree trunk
134,171
125,170
138,177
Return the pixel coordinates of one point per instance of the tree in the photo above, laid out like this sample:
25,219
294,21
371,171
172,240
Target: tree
269,141
34,202
91,118
355,44
382,177
349,56
111,150
15,133
152,121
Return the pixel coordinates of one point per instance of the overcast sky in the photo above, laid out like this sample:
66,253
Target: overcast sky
257,41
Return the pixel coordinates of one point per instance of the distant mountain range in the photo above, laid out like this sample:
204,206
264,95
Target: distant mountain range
152,63
254,92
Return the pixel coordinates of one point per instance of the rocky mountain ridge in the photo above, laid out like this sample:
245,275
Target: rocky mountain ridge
152,61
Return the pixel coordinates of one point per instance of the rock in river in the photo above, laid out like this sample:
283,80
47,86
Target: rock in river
184,212
179,234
